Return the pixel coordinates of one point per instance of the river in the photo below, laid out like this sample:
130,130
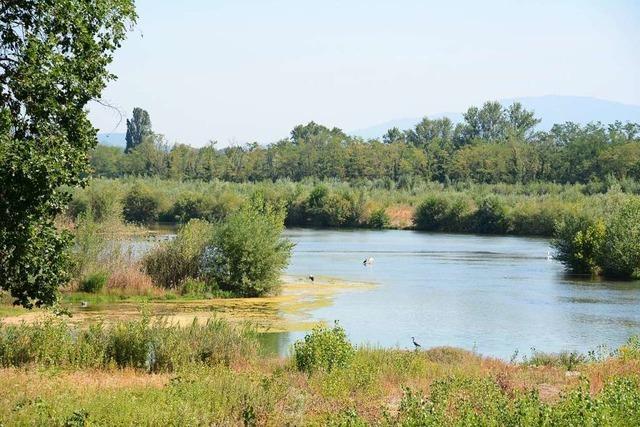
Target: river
492,294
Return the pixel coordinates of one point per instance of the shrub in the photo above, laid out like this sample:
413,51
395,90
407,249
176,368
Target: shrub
491,217
620,255
141,205
94,282
456,401
171,263
578,244
430,214
130,344
441,213
193,287
343,209
566,359
631,349
379,219
323,349
191,206
101,197
248,252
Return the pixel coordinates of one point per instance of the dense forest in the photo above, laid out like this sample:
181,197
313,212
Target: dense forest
493,144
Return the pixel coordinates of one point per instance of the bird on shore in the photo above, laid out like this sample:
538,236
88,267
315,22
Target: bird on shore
415,344
312,278
84,304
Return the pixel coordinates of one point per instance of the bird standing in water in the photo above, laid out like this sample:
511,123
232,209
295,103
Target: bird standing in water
415,344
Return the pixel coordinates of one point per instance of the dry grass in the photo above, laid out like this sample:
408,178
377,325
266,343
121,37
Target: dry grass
400,216
129,280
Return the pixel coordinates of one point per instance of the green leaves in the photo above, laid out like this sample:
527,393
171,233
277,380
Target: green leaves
248,252
610,245
323,349
53,59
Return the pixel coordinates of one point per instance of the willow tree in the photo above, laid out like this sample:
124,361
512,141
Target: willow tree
53,60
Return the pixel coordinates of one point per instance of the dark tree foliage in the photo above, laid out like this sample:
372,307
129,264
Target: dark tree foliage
138,128
53,59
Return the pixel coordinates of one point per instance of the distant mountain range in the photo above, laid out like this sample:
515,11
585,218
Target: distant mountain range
551,109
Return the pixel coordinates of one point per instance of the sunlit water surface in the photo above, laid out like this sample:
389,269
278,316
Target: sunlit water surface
494,295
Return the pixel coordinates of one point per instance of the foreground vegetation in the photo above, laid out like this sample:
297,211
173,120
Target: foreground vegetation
141,372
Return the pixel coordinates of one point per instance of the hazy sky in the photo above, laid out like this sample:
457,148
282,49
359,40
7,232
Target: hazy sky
249,70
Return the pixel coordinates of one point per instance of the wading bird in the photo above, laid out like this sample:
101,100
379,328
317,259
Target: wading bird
415,344
312,278
367,261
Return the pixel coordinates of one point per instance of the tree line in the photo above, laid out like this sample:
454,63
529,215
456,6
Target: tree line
493,144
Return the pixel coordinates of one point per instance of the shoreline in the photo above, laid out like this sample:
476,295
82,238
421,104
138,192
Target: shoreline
288,311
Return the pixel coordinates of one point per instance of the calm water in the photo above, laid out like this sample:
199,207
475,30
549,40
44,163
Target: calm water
492,294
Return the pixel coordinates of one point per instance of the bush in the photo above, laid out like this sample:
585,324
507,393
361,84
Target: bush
379,219
94,282
491,217
102,198
247,252
578,244
323,349
141,205
480,401
566,359
620,255
456,401
430,214
442,213
193,287
171,263
631,349
191,206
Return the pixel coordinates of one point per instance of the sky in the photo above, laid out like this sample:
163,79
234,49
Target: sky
238,71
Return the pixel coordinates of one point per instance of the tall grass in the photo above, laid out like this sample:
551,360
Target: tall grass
155,346
145,372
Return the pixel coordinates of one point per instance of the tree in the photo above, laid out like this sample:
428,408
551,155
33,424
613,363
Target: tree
393,135
138,128
53,61
248,252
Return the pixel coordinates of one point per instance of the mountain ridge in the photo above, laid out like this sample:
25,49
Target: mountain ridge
550,109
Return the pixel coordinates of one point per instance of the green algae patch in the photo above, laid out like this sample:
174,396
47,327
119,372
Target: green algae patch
290,310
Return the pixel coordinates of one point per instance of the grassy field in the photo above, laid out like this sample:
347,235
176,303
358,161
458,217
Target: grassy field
223,380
